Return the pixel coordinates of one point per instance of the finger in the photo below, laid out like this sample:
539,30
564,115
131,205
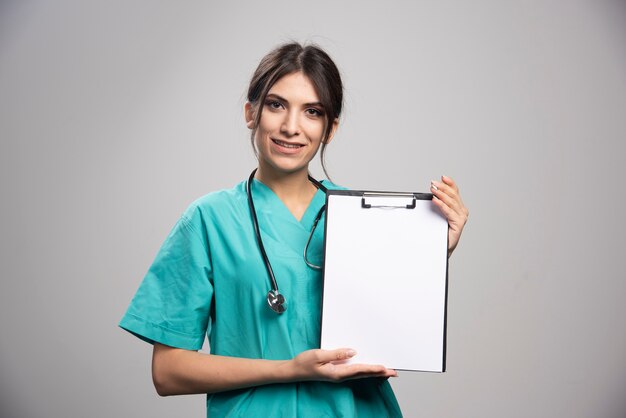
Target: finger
445,188
340,354
451,201
456,221
369,375
377,371
450,182
451,197
446,210
451,185
358,371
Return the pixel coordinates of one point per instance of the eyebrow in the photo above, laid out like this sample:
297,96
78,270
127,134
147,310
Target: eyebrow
274,95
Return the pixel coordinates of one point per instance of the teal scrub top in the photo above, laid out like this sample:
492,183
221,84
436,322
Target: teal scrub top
209,278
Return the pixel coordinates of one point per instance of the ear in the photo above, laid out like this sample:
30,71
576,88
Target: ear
332,131
249,114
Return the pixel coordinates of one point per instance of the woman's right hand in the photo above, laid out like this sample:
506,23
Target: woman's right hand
333,366
178,372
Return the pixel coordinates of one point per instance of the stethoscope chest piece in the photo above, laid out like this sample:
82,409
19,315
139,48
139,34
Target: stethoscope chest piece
276,301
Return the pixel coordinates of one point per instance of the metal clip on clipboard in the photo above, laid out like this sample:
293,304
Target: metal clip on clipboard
387,194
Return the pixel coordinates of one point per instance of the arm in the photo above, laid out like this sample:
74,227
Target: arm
177,372
448,199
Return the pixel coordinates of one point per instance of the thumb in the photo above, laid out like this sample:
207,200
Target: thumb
337,355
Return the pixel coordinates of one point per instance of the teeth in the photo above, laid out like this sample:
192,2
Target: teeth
286,145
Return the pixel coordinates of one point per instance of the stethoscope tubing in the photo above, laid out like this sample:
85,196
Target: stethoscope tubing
306,247
257,232
274,298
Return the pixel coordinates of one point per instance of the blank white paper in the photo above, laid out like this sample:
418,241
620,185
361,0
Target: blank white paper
385,282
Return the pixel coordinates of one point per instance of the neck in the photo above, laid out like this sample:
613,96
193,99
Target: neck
294,189
286,185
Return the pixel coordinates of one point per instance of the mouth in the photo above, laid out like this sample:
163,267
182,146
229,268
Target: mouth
286,144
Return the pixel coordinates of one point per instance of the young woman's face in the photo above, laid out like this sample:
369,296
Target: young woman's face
291,127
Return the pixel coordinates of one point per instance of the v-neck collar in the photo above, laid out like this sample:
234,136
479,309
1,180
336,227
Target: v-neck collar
264,193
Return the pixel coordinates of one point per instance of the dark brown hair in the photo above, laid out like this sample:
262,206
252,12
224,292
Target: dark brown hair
316,65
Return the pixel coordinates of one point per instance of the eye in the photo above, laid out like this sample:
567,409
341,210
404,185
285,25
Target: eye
274,104
314,112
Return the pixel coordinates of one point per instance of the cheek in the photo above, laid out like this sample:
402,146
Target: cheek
315,130
262,132
269,122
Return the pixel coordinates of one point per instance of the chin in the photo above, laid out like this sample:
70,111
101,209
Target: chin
287,168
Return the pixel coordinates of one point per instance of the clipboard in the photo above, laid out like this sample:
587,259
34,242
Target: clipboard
385,279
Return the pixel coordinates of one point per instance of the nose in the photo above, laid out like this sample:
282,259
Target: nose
291,124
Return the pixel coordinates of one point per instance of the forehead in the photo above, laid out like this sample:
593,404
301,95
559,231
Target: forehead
295,87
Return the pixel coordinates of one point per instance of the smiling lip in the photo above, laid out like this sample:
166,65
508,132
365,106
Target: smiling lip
286,144
290,146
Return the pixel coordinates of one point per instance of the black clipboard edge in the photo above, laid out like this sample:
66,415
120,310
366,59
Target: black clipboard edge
418,196
360,193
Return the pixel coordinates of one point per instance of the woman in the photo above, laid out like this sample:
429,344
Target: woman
209,276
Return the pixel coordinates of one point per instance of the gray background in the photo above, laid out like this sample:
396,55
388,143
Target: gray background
116,115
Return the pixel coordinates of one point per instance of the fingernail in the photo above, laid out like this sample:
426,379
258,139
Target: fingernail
432,185
350,353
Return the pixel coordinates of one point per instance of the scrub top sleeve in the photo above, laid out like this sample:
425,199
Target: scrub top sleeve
173,302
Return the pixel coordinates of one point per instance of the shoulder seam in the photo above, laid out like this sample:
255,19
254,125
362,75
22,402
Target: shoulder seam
186,221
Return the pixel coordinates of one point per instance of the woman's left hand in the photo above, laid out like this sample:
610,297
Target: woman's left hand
448,200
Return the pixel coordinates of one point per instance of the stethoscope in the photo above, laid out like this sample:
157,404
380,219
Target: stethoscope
275,299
